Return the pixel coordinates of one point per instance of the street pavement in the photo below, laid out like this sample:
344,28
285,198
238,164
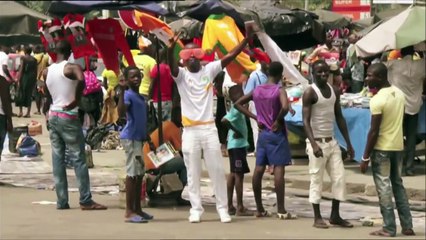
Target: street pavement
45,222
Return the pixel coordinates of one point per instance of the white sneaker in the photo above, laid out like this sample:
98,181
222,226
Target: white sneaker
225,218
194,218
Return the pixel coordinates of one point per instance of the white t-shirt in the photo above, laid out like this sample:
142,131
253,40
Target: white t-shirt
196,94
408,75
3,61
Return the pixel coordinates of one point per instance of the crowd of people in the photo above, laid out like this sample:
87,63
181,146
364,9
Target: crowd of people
67,92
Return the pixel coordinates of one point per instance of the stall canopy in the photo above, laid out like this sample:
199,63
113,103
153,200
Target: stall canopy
202,9
332,20
291,29
405,29
18,24
61,8
189,28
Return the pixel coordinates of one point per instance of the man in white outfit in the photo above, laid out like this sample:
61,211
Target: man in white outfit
321,107
195,85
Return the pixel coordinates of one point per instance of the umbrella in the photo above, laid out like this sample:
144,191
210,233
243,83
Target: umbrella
19,23
405,29
204,8
70,6
332,20
291,29
190,28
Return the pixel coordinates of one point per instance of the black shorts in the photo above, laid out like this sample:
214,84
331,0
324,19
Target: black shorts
238,160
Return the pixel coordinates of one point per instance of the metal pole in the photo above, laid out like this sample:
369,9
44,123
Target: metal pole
160,111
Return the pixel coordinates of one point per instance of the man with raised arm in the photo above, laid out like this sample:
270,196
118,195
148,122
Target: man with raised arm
195,85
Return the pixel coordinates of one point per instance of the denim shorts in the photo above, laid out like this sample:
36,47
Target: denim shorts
134,161
273,149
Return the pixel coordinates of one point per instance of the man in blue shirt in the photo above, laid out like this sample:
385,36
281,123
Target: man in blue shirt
256,78
132,105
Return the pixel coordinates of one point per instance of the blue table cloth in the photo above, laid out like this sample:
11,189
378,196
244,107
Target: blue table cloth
358,122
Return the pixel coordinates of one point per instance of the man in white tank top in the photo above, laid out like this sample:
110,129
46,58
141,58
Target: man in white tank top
321,107
64,87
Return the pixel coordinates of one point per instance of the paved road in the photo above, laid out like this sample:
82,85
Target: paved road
20,219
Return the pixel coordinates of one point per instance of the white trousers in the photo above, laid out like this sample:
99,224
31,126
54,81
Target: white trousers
204,139
253,123
331,162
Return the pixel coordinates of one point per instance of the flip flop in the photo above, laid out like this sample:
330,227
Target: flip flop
146,215
93,206
286,216
343,224
321,225
381,233
263,214
244,213
136,219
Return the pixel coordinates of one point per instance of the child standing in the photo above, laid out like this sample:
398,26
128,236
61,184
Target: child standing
273,148
237,150
132,105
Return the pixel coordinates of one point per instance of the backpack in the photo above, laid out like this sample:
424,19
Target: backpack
28,146
92,83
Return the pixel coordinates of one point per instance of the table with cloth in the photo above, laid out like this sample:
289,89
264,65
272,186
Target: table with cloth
358,122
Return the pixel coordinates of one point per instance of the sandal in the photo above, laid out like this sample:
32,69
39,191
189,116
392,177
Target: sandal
93,206
342,223
136,219
146,215
381,233
263,214
321,225
244,213
286,216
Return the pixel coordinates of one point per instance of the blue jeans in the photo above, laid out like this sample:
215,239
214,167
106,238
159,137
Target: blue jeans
68,133
410,133
386,166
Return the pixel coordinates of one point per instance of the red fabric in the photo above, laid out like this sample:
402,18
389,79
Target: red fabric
77,36
261,55
207,57
109,36
166,82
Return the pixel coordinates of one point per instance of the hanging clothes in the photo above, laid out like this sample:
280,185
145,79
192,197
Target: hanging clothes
221,35
77,36
109,37
51,31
